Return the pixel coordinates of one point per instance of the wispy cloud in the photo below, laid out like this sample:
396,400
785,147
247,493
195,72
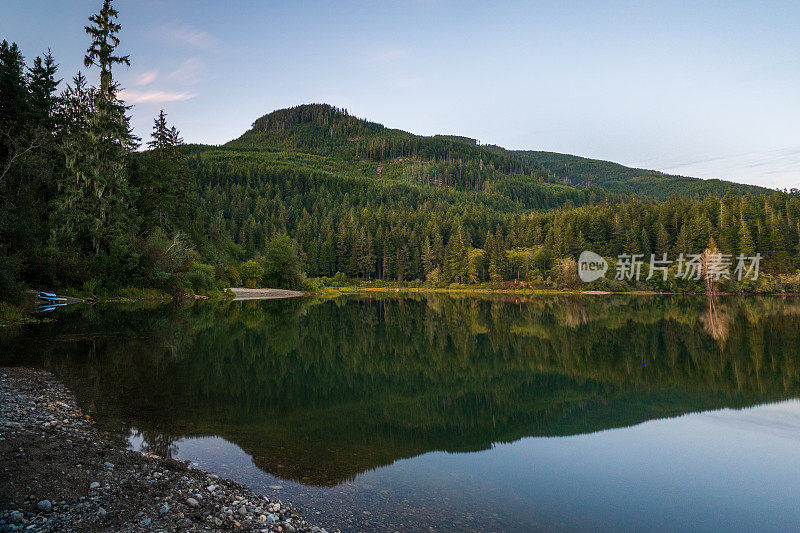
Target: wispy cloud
387,55
146,78
154,97
188,71
189,36
405,80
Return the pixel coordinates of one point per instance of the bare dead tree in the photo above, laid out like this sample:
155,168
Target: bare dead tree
19,146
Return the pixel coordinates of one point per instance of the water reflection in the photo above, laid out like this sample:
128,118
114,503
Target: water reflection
318,392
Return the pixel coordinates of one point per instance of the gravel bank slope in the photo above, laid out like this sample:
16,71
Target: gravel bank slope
58,472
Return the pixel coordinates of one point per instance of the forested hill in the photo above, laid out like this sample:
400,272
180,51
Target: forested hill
456,161
325,130
584,172
368,201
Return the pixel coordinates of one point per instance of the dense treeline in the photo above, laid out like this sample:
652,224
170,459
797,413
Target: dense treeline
78,207
368,228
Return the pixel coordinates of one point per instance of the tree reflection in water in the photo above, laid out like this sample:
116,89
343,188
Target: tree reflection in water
318,391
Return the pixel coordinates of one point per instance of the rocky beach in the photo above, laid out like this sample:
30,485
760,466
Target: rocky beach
61,473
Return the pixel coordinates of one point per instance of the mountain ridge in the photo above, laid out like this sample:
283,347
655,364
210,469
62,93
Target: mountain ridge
324,129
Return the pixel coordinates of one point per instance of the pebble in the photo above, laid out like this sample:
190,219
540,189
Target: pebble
164,509
16,517
44,506
192,502
108,465
101,512
94,485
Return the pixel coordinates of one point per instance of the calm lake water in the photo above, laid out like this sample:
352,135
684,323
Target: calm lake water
384,413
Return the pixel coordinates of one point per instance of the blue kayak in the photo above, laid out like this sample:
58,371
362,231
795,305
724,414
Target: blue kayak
49,308
51,296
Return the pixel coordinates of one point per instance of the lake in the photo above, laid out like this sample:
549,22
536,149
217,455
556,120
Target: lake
389,412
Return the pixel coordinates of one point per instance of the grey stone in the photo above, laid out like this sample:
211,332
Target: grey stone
192,502
164,509
94,485
17,517
44,505
101,512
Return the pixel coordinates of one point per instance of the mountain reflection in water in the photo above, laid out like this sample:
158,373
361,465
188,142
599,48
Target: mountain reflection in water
319,391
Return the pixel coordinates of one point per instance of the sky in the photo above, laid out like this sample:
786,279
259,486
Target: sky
706,89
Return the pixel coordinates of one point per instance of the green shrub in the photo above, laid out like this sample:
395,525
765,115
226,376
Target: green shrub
234,278
252,273
282,268
199,276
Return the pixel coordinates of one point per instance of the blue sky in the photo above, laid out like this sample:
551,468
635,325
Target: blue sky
707,89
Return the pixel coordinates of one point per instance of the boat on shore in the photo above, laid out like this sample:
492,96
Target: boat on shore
51,297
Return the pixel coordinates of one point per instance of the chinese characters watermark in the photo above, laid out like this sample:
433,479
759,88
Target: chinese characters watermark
714,266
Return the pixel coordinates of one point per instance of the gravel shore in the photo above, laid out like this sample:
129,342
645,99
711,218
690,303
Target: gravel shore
263,294
59,472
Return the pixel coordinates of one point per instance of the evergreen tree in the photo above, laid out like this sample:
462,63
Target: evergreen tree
456,261
27,157
645,246
42,85
746,245
365,259
662,240
101,53
13,94
73,213
401,263
428,257
162,180
99,203
160,138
